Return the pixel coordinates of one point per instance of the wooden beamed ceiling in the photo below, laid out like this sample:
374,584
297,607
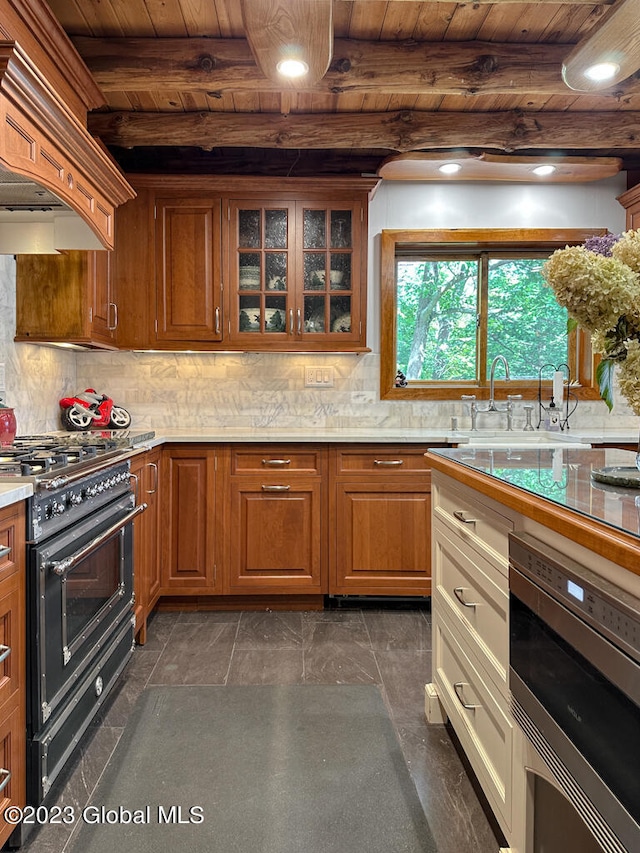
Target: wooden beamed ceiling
404,76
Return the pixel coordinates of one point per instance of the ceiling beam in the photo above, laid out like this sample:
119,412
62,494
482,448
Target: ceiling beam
224,66
398,131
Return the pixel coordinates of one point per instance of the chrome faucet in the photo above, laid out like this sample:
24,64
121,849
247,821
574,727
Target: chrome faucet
492,407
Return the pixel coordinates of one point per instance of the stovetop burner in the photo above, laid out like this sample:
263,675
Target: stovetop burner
34,455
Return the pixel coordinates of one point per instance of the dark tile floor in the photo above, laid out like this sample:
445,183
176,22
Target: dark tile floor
385,647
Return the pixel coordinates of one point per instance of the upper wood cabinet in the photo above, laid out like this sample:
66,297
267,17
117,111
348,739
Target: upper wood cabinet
188,281
66,298
296,274
240,263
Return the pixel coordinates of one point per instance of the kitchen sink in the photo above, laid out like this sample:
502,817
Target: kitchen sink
518,439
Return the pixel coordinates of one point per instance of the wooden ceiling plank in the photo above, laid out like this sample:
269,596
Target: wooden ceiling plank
167,18
466,21
367,19
399,21
432,23
300,30
133,17
75,21
200,18
507,131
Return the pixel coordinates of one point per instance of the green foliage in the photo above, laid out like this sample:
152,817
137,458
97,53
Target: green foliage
438,317
604,377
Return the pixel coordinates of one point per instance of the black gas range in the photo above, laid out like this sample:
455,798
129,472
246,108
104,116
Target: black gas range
79,586
72,474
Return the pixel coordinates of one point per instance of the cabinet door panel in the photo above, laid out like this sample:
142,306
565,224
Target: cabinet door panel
189,525
12,760
382,541
275,530
188,270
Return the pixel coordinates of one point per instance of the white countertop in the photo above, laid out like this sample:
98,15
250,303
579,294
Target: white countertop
11,494
379,435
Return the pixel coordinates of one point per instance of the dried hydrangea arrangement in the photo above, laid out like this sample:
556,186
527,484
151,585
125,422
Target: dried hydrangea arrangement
599,285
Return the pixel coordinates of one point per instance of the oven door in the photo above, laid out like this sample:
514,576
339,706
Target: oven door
84,589
577,697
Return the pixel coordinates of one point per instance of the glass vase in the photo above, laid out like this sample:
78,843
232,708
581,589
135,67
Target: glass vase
7,427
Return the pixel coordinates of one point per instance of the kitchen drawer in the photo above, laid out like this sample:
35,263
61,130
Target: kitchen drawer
475,596
275,459
12,536
484,727
381,459
11,638
12,762
475,522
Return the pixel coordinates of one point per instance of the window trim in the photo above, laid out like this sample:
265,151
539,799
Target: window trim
581,358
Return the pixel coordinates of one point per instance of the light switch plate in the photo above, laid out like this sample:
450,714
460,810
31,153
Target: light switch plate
319,377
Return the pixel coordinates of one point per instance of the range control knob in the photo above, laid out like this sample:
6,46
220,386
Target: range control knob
75,498
57,508
92,491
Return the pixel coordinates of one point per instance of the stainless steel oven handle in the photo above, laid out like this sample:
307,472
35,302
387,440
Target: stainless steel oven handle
458,688
60,567
5,550
5,651
7,777
60,482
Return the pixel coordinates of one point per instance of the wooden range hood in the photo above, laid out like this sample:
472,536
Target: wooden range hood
43,133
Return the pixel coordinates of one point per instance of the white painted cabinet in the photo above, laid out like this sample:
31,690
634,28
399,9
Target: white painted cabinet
470,603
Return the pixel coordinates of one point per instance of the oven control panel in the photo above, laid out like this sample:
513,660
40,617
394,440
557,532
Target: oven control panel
53,510
611,610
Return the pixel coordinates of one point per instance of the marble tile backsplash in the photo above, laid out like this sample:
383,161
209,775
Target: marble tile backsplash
36,376
163,390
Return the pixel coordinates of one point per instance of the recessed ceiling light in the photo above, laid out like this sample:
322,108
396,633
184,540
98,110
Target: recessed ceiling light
292,67
449,168
602,71
543,171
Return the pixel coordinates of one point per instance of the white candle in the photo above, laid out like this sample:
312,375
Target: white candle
558,388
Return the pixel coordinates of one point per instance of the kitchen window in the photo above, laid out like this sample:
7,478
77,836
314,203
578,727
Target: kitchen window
453,300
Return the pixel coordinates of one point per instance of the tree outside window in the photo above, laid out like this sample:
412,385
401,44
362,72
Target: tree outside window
460,298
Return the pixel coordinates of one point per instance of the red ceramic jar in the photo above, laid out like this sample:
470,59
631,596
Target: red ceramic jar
7,426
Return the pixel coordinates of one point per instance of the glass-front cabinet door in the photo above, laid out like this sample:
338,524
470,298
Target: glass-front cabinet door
330,269
262,271
295,274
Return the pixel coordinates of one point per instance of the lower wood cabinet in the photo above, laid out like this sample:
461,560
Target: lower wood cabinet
12,662
190,522
277,520
269,519
380,509
145,468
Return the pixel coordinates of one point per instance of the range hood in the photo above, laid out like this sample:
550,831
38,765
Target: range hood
35,221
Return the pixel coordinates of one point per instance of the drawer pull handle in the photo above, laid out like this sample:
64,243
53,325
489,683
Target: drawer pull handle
276,463
275,488
458,591
461,515
7,776
388,461
5,550
458,687
5,651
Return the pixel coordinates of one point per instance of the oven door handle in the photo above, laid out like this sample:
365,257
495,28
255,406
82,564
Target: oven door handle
61,567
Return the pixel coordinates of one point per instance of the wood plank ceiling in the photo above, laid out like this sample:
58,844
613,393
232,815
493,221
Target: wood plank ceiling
184,93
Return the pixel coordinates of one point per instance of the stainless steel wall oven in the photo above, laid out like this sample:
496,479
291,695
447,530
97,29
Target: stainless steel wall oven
575,684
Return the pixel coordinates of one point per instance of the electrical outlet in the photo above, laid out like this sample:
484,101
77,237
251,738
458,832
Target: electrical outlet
319,377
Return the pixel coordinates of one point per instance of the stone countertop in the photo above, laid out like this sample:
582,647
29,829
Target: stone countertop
373,435
11,493
555,488
304,435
